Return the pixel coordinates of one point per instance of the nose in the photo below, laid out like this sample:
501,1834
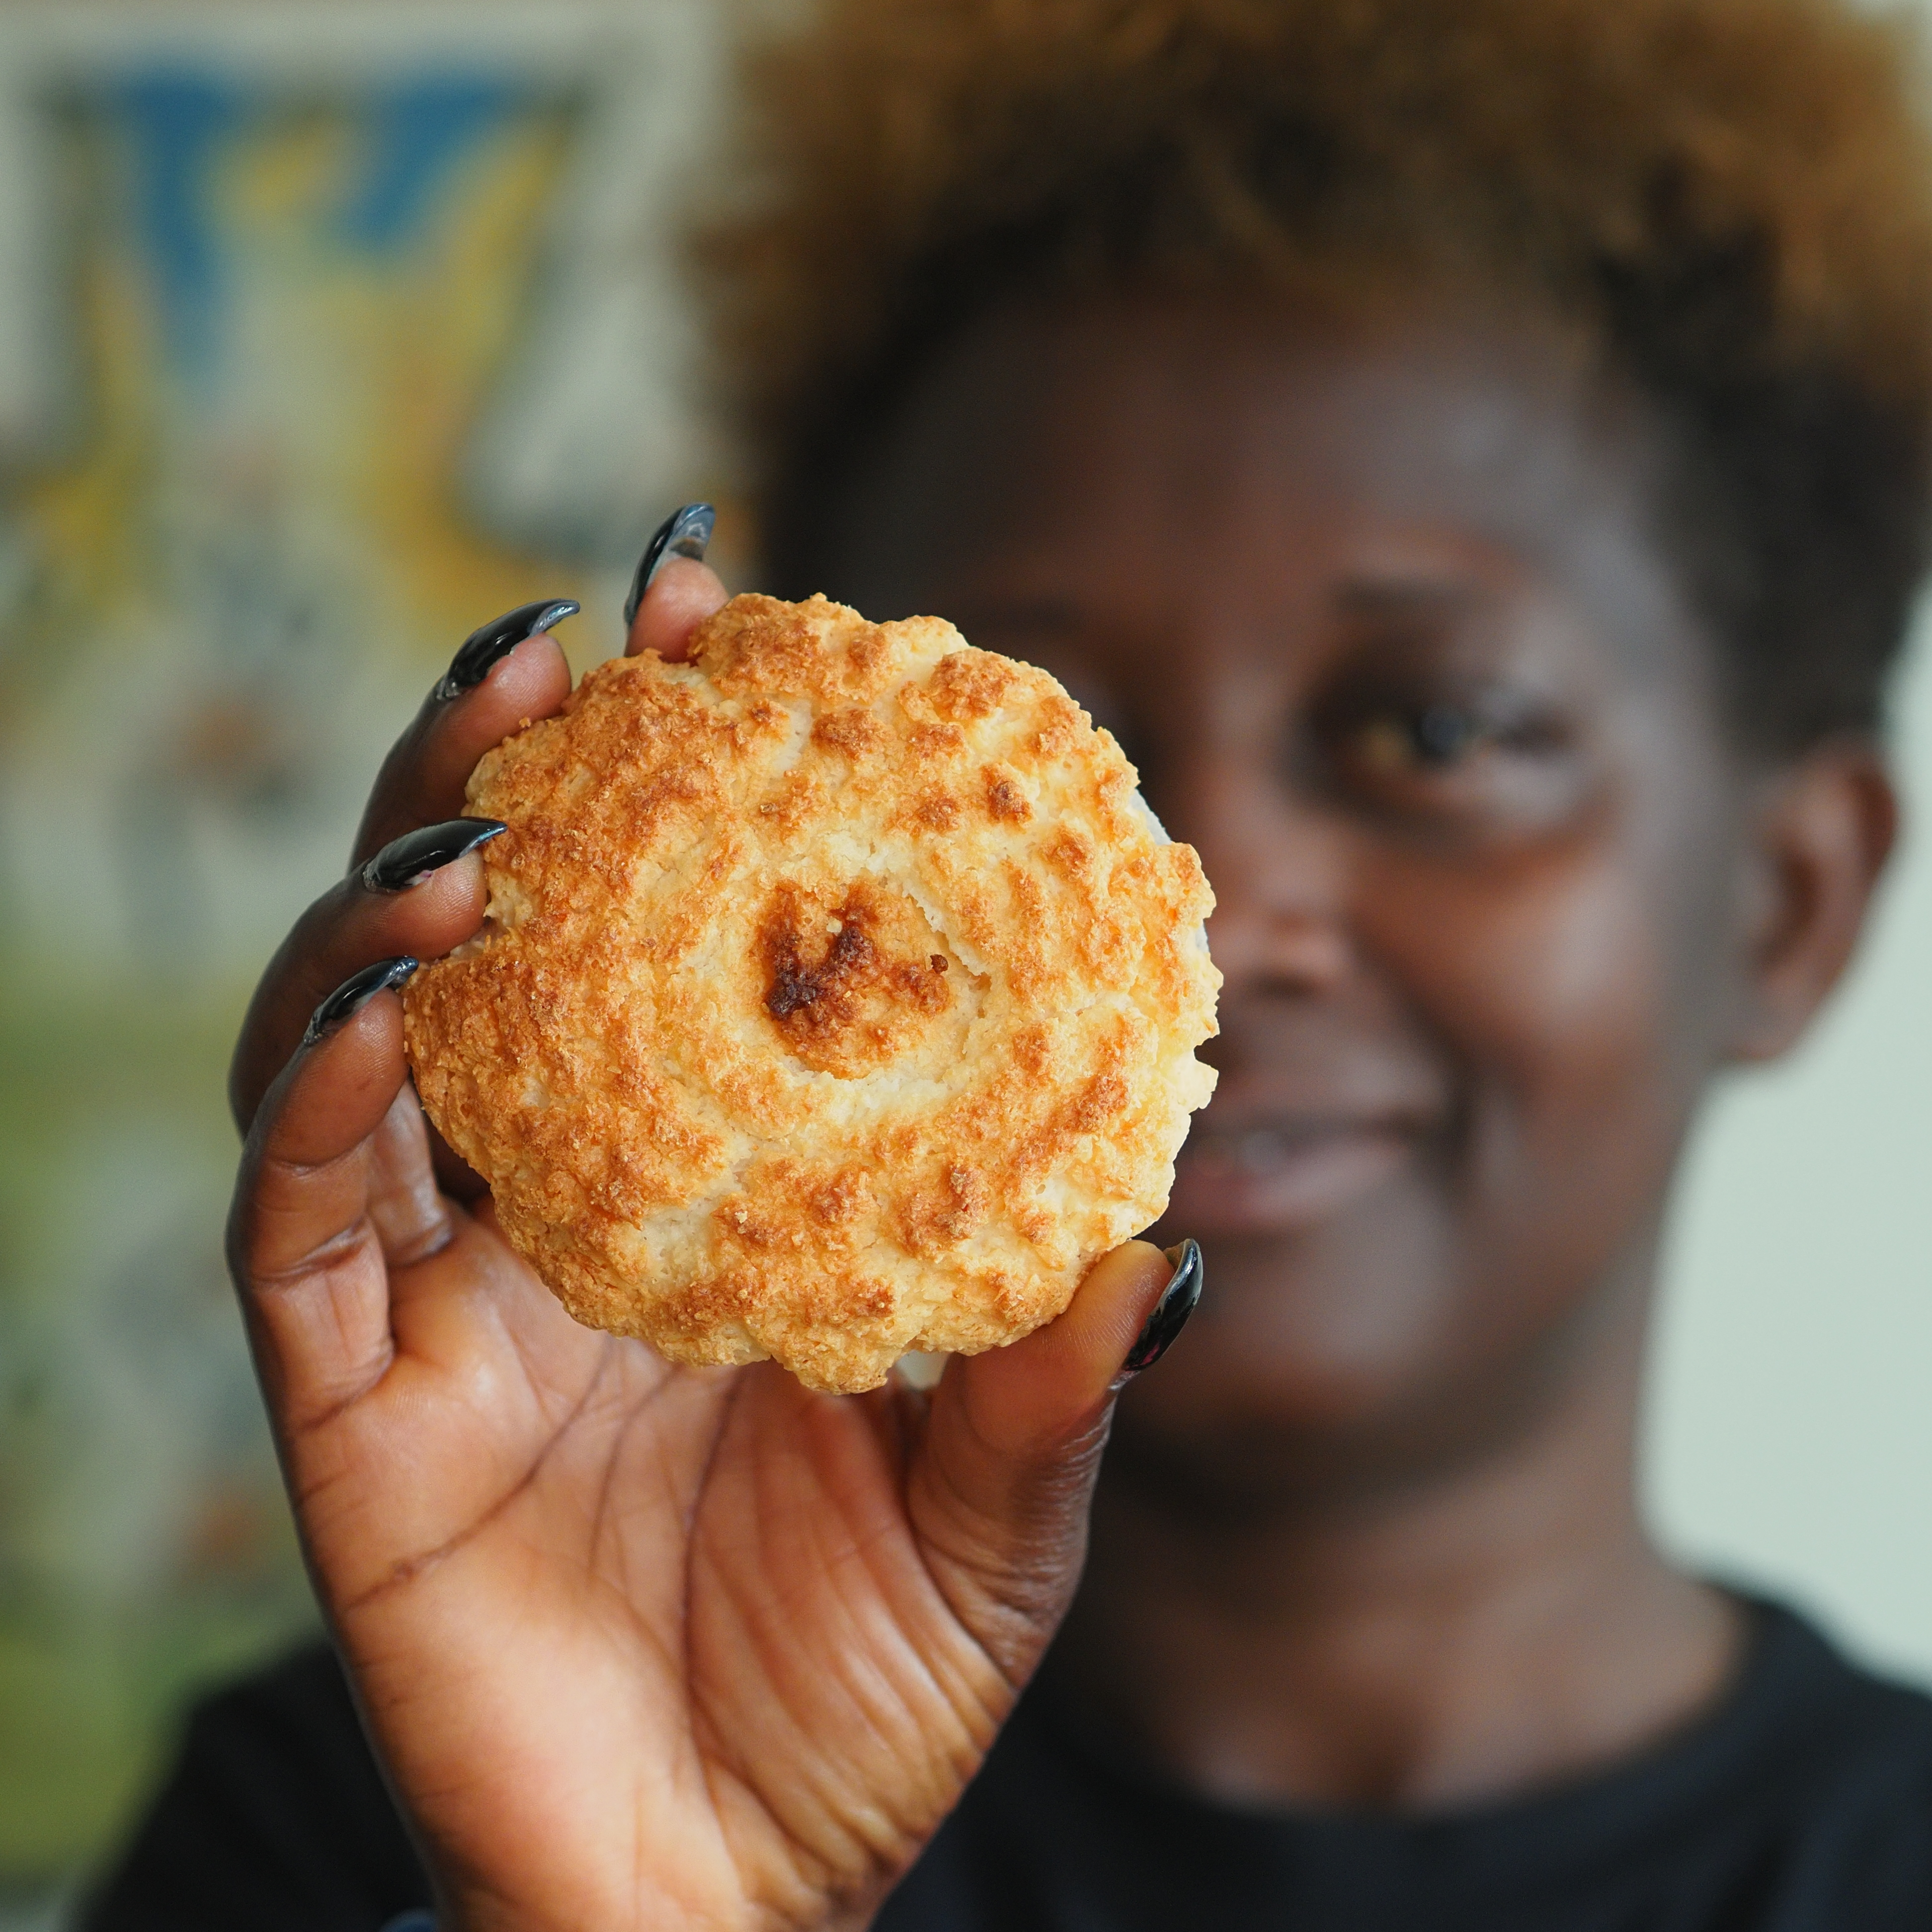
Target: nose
1278,866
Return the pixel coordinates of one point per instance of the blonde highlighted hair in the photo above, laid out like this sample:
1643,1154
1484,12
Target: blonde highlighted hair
1734,196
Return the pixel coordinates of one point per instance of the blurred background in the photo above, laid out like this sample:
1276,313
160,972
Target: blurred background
328,331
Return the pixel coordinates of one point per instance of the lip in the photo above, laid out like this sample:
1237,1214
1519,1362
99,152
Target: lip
1279,1174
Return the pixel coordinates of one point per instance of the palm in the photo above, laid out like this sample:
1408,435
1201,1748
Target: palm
610,1617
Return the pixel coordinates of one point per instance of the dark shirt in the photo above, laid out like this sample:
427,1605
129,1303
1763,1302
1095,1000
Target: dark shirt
1804,1804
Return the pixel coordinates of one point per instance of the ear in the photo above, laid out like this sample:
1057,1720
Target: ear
1821,832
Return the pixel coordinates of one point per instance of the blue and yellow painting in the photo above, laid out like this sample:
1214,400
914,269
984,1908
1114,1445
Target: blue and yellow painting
269,505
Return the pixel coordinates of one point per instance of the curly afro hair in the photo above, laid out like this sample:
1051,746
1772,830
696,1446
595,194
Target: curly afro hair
1735,196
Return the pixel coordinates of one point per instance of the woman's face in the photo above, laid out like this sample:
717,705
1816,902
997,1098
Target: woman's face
1379,617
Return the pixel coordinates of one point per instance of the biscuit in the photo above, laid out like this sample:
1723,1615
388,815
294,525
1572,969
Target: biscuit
837,996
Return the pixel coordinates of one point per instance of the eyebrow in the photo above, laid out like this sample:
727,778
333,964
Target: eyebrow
1379,598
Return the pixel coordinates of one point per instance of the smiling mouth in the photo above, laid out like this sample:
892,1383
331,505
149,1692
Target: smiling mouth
1279,1176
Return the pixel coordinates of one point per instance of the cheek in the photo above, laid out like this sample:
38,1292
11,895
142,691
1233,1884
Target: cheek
1563,988
1545,994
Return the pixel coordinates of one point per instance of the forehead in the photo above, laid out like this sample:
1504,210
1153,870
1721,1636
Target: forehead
1113,432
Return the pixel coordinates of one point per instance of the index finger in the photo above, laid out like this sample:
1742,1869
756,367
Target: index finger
681,597
674,591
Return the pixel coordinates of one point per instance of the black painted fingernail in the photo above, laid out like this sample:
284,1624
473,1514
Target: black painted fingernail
1179,1300
483,650
409,860
355,993
684,532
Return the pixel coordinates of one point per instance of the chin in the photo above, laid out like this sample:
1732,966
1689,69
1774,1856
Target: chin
1331,1362
1332,1319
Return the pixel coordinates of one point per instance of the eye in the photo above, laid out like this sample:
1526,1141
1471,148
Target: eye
1494,753
1433,739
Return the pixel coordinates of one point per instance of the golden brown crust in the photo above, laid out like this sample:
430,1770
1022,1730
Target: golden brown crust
837,998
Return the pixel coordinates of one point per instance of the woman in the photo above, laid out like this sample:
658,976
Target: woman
1474,454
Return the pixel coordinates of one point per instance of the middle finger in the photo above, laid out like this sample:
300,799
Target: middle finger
422,895
505,675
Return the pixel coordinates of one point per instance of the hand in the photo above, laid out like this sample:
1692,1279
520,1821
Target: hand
641,1646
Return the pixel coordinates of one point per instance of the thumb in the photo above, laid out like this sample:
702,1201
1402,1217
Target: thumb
998,1496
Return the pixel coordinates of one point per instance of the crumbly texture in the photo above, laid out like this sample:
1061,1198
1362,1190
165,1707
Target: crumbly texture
837,997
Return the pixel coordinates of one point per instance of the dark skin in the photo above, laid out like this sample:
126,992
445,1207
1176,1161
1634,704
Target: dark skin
641,1647
1378,609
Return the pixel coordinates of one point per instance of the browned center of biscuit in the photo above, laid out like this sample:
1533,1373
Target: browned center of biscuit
853,983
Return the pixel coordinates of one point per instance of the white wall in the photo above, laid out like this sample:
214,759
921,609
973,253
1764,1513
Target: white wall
1790,1439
